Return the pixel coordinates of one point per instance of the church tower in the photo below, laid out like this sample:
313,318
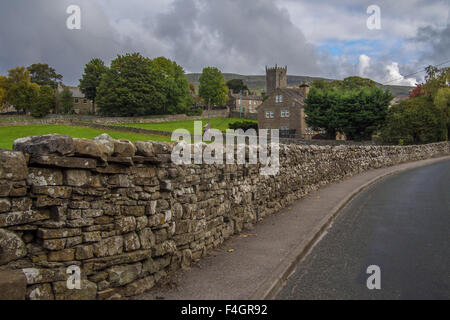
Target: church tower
275,78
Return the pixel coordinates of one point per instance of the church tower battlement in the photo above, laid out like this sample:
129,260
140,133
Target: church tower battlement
276,77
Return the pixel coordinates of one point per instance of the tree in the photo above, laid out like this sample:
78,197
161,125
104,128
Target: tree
355,82
349,107
65,101
21,92
237,85
442,102
213,89
90,81
417,91
173,82
44,102
129,88
415,120
3,89
44,75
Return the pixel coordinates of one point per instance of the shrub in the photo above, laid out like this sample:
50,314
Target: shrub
244,125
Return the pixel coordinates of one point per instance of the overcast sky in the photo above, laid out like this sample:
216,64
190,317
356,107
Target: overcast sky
317,38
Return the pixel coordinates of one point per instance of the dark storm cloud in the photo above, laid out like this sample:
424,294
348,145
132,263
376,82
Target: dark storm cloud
235,35
35,31
238,36
437,43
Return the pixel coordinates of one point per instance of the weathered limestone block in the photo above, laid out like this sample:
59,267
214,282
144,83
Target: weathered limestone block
62,255
186,259
167,247
163,147
120,180
78,223
13,285
5,205
54,244
137,211
91,213
12,247
88,291
77,178
84,252
93,236
102,263
58,233
125,224
109,247
22,217
44,145
138,287
144,148
147,238
91,148
124,148
40,292
146,172
36,275
44,177
121,275
64,162
107,141
53,192
13,165
131,242
155,265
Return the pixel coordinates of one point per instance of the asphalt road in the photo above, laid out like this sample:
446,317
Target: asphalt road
402,225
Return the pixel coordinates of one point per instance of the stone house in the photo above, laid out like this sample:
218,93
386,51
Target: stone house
81,105
284,110
245,103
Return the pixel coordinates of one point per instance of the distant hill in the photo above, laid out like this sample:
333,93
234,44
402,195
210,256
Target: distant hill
258,82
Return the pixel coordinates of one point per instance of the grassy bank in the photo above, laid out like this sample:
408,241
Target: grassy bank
216,123
10,133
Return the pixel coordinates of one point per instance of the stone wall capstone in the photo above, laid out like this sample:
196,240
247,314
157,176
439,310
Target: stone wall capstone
127,216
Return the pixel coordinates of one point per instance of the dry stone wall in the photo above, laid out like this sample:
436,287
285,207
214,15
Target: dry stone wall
128,217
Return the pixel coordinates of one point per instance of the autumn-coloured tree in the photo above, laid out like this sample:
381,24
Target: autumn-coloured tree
416,92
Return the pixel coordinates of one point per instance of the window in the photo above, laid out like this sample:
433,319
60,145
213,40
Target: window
84,101
76,100
285,113
270,115
278,98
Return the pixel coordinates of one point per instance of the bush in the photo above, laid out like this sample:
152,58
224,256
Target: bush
44,102
244,125
416,120
195,112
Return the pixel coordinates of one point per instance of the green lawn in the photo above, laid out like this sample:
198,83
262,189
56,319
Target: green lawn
216,123
11,133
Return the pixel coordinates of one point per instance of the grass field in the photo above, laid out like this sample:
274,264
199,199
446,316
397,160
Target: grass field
11,133
216,123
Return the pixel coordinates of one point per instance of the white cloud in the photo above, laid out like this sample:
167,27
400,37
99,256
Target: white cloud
363,64
395,78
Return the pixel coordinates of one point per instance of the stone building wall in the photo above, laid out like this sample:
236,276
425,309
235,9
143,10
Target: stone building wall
128,217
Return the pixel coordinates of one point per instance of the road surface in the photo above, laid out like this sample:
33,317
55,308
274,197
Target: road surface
402,225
